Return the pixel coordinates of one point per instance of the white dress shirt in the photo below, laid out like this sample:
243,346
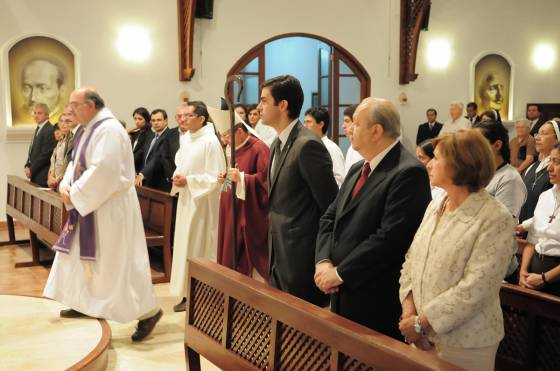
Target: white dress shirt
451,126
337,159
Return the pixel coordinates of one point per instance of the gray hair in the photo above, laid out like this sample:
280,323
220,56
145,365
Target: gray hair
457,104
384,113
525,122
43,106
94,97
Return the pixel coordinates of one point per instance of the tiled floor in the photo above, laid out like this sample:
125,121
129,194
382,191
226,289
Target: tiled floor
163,350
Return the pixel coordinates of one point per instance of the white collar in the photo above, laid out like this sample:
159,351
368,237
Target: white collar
374,162
283,136
75,129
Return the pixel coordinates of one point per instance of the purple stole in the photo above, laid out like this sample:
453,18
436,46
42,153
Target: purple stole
86,222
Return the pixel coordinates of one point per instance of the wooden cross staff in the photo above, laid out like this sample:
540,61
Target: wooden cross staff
230,82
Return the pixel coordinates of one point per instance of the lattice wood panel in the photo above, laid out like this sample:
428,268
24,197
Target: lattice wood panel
207,309
250,334
299,351
516,325
548,345
352,364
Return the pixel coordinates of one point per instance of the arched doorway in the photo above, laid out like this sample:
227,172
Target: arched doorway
331,76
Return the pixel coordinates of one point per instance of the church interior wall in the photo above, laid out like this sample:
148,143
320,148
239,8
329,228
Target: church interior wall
369,29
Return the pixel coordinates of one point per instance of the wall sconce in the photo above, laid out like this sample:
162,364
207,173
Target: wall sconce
439,54
134,44
544,56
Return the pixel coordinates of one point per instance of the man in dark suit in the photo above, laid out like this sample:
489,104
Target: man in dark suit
472,109
41,147
301,187
366,232
159,162
429,129
537,120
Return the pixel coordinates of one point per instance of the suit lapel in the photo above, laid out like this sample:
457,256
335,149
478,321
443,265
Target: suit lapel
377,176
293,135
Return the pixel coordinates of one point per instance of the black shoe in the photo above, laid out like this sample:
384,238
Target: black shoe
181,307
71,313
146,326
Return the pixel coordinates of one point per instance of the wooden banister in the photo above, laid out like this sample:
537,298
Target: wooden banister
238,323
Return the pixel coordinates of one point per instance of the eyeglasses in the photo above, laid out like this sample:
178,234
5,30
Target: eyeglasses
543,134
189,115
76,104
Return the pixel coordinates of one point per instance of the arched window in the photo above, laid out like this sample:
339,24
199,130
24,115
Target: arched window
331,77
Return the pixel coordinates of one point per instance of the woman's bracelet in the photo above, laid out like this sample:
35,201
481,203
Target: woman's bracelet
544,278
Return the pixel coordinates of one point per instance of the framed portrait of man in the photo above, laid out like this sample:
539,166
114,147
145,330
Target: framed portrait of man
493,85
41,70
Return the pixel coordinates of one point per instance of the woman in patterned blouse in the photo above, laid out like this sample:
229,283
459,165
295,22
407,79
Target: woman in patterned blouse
451,278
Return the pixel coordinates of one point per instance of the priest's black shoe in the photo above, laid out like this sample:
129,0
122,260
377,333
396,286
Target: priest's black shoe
145,326
181,307
71,313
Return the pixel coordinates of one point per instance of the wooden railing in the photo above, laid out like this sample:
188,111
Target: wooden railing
532,330
240,324
43,213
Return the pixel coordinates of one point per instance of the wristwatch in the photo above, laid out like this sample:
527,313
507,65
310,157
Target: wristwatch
417,325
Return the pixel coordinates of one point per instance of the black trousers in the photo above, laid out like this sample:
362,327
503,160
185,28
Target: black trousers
543,263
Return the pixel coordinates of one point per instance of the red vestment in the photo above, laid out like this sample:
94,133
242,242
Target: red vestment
252,213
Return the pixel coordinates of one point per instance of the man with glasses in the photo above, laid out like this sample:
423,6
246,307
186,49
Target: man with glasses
101,268
199,161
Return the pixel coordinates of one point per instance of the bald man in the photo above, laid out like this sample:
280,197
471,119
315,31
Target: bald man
365,233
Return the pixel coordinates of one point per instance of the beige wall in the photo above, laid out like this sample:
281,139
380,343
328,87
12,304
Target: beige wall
369,29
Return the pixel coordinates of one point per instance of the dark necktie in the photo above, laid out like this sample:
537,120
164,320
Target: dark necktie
33,140
365,173
152,144
276,158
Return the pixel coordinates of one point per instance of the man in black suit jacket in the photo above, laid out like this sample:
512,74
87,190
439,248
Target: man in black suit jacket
429,129
537,120
472,109
41,147
159,162
367,230
301,187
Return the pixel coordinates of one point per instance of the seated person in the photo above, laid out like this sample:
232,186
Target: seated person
540,267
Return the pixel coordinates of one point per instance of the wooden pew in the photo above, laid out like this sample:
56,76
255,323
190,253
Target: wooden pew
532,330
157,215
43,213
240,324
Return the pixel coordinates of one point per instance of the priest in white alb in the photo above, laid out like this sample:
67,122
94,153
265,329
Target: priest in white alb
199,160
101,268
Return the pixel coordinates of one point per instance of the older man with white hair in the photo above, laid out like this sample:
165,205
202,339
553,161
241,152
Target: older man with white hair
365,233
523,147
456,121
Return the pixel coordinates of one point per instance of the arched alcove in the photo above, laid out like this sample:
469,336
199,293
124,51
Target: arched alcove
339,78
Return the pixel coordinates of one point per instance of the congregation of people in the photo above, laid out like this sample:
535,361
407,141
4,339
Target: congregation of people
412,245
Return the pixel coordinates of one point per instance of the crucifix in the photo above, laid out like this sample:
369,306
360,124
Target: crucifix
551,218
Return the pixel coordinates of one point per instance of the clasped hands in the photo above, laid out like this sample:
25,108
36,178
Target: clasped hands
326,278
406,327
233,174
65,194
179,180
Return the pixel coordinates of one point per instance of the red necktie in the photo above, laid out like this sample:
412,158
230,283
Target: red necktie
365,173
